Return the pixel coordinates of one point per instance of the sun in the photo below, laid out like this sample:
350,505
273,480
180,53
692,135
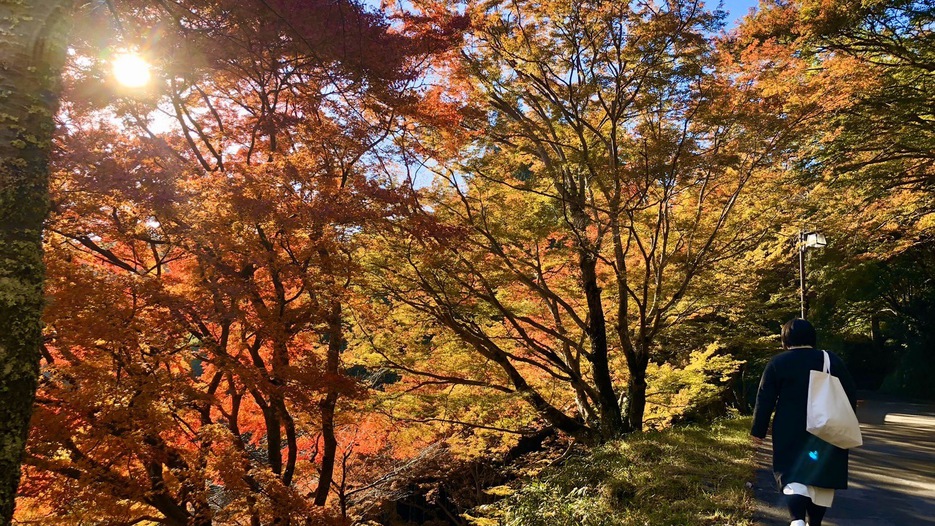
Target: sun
131,70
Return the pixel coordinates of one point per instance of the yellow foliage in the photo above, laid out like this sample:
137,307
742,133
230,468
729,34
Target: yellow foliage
674,392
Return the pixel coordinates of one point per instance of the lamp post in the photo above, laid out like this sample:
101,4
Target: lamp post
807,240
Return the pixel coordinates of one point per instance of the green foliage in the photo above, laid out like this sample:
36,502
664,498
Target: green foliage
880,314
691,475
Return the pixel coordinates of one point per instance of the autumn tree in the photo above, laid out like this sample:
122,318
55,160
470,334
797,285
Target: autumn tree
877,141
200,274
612,148
886,132
200,327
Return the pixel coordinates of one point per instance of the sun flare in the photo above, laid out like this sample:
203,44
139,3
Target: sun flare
131,70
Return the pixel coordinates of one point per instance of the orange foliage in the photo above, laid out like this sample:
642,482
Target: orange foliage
199,278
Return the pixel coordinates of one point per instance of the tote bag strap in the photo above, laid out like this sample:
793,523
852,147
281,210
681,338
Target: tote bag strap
826,367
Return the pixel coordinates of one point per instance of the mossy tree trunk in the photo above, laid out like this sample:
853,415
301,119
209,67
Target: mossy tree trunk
32,52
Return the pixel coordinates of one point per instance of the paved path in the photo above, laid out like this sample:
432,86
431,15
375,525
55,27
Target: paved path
892,477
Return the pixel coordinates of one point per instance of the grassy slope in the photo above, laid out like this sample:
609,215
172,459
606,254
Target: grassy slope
686,476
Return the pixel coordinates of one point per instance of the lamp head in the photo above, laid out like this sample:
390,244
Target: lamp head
815,240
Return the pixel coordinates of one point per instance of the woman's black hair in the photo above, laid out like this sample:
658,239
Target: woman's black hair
798,333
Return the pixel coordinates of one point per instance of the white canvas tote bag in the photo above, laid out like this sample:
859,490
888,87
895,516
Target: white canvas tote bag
830,416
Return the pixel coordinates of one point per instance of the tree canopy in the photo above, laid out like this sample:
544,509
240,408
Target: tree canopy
330,248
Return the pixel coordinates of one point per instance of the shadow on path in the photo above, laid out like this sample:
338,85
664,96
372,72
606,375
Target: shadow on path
892,477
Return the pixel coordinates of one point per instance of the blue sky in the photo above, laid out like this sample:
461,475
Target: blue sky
737,9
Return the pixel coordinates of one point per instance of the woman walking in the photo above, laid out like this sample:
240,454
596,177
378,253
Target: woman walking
807,468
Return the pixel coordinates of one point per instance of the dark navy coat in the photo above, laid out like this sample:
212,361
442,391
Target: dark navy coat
799,456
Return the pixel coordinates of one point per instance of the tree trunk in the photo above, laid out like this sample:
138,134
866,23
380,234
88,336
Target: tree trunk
328,404
32,54
611,420
636,391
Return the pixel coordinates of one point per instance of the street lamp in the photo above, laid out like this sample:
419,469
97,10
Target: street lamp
807,240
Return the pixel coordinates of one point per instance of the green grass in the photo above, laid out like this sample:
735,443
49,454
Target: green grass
687,476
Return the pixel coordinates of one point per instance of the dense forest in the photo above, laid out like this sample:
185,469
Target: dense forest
330,249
